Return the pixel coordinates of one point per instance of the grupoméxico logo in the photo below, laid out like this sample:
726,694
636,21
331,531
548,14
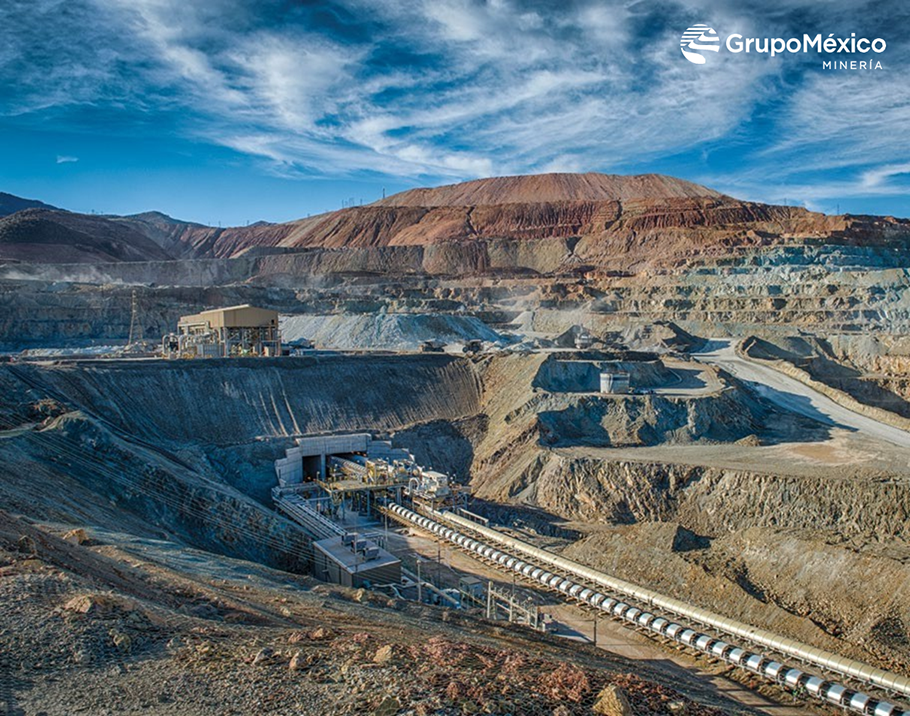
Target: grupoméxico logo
700,40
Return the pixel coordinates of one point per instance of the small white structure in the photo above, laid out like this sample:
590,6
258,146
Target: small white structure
614,382
429,484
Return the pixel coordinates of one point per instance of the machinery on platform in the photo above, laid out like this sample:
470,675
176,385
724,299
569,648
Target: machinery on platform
428,485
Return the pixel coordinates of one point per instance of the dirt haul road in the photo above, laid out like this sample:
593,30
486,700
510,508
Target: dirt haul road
790,394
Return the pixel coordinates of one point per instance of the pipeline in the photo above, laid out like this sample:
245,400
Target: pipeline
431,588
828,691
824,659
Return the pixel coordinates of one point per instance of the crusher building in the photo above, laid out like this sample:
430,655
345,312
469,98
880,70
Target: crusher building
225,333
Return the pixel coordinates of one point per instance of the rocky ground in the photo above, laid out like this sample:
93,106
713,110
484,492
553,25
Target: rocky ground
104,623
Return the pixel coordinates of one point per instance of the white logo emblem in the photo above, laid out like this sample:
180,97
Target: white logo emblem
699,38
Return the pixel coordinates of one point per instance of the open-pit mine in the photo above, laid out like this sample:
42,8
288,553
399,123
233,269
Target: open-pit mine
556,444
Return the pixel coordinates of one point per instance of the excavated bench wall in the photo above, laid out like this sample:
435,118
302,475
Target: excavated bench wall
229,402
716,501
563,375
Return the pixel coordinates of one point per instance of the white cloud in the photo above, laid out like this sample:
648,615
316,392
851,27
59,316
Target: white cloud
64,159
877,179
457,88
295,79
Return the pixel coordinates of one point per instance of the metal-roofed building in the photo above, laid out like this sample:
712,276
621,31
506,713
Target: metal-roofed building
225,332
353,561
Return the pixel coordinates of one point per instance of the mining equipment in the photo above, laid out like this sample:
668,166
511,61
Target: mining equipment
433,346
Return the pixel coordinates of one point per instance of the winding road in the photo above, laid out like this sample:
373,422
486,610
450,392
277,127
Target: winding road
790,394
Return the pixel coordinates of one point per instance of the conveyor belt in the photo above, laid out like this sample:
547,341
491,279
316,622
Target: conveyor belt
576,581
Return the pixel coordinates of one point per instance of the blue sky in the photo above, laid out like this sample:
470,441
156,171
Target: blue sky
231,111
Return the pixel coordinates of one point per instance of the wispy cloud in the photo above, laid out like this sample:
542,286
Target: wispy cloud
877,179
461,88
64,159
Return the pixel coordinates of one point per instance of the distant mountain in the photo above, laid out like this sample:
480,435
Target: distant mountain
10,204
43,234
181,239
54,236
521,207
608,214
587,219
538,188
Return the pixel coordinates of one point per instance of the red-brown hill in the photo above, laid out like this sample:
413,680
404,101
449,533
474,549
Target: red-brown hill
548,188
589,219
609,217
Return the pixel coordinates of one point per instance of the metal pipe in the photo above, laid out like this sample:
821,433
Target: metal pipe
828,691
791,647
435,590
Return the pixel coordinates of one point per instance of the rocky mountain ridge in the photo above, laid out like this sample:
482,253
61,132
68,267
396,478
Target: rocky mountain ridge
602,220
10,204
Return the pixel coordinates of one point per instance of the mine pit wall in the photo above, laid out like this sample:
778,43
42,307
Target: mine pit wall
189,272
454,258
636,420
230,419
714,501
40,313
79,473
759,290
227,402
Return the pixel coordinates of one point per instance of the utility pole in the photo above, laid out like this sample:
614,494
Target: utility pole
357,563
419,583
136,330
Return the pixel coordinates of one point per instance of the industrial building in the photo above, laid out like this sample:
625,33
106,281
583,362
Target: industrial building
225,333
331,486
354,469
356,462
354,561
309,459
